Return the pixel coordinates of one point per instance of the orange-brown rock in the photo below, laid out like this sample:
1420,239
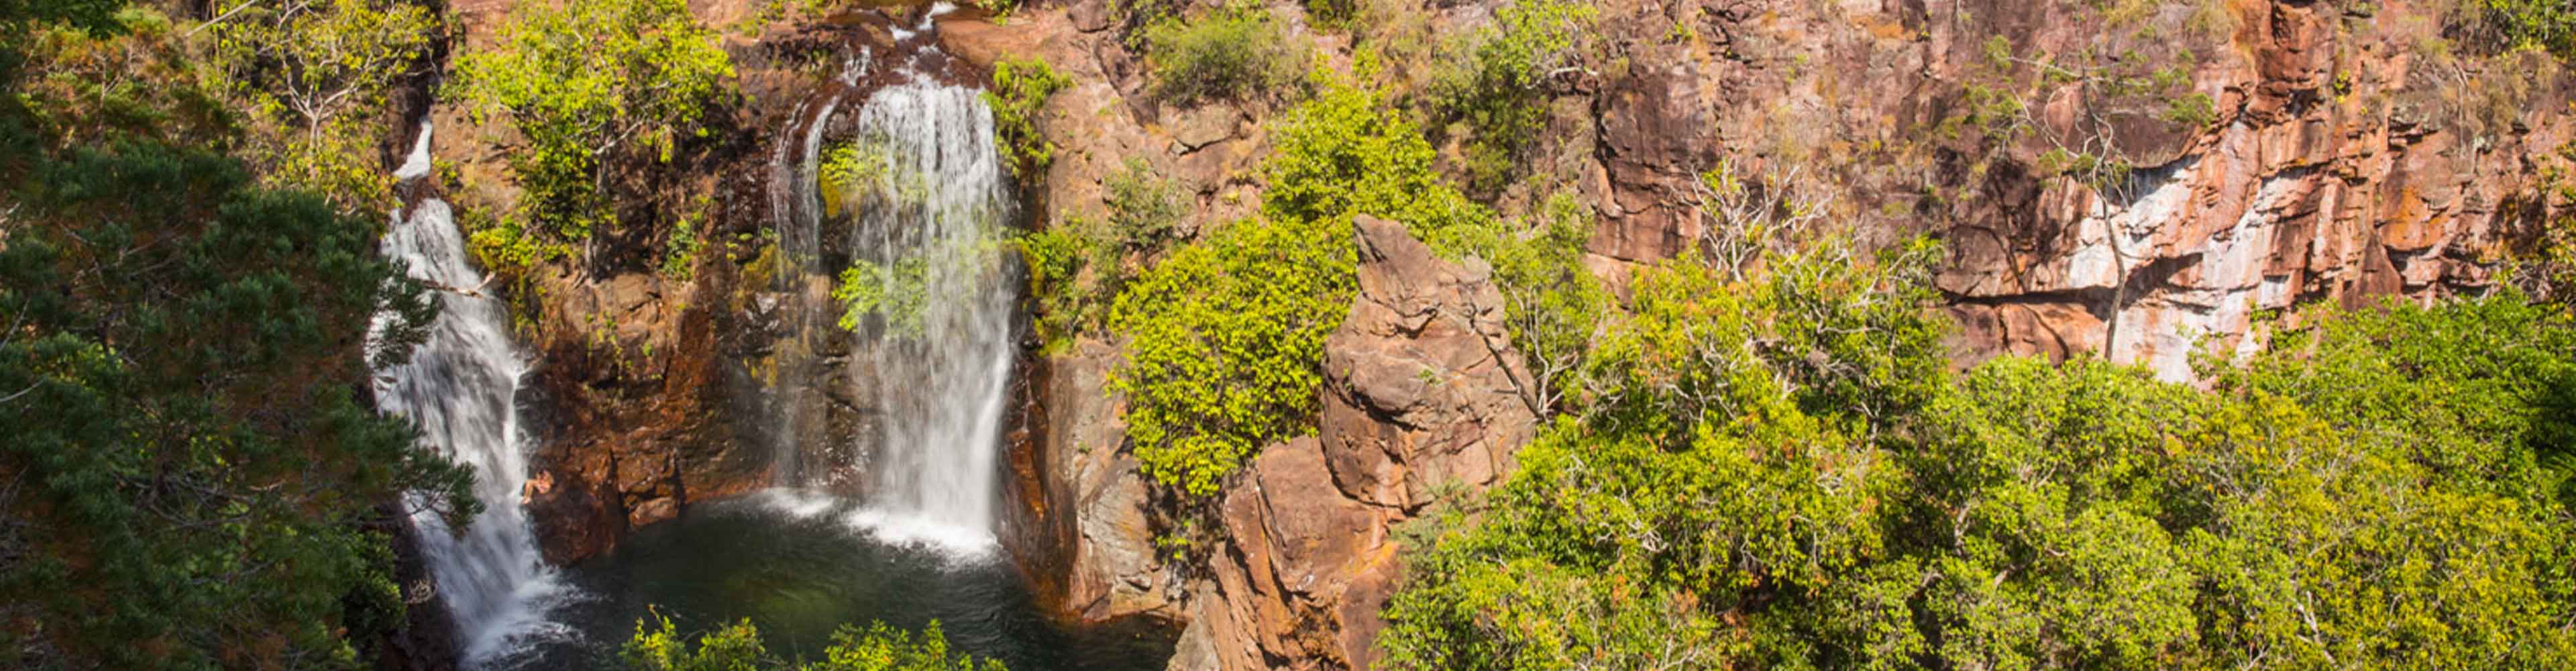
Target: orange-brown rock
1421,391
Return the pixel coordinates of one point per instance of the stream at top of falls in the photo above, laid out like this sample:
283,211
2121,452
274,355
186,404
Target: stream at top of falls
892,519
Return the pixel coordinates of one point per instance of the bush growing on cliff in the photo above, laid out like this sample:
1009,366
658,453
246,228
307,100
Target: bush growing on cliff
1491,83
588,84
1225,346
1226,335
659,646
1238,52
1018,98
1079,265
2549,25
1345,153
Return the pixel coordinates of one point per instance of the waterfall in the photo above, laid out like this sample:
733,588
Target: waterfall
460,386
917,178
933,229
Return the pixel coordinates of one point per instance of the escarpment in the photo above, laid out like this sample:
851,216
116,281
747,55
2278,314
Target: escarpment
2135,188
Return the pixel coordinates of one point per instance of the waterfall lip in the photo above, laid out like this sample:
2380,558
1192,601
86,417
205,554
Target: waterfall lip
416,165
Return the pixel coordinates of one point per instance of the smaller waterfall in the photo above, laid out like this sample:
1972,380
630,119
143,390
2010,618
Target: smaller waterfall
460,387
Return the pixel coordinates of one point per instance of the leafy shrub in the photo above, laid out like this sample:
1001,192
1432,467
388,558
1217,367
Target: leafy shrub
1065,263
658,646
1079,265
2549,25
1344,153
1332,12
1144,205
848,170
897,292
1491,83
589,83
1225,346
1240,52
1018,99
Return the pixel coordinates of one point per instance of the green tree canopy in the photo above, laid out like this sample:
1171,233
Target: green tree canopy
179,385
587,82
659,646
1782,473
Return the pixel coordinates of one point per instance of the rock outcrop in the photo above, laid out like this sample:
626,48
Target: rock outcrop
1421,394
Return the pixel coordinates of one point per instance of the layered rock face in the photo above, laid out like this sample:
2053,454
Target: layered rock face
2347,152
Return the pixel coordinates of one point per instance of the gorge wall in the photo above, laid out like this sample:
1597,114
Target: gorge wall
2298,152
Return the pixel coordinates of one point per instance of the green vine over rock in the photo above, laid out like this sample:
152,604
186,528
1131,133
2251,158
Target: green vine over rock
1226,336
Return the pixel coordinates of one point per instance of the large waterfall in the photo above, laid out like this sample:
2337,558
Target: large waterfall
917,179
460,386
933,228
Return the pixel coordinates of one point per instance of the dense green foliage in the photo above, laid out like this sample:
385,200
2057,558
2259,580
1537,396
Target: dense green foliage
2542,24
1345,153
1018,98
198,482
1079,265
587,83
658,646
1490,82
1225,347
1779,471
1237,52
302,67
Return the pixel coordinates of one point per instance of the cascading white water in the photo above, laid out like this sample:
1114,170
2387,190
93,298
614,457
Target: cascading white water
933,228
459,386
928,215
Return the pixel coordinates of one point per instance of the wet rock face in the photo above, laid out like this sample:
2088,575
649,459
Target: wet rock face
632,416
1113,571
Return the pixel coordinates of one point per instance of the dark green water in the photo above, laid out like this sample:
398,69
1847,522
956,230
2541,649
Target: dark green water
798,578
